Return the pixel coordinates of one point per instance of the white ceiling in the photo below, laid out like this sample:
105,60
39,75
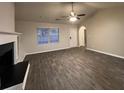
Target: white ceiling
48,12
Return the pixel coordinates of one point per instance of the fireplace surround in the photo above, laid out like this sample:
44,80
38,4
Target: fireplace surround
6,56
10,74
13,74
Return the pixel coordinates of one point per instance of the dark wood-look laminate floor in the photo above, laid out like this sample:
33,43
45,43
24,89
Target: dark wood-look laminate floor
76,69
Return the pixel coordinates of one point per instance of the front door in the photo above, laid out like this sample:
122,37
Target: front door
73,38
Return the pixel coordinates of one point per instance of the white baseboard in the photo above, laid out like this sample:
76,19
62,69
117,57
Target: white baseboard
21,59
25,78
47,51
114,55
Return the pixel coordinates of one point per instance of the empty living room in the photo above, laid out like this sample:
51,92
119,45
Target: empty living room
62,45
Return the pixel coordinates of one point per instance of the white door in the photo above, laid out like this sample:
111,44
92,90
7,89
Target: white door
82,36
73,37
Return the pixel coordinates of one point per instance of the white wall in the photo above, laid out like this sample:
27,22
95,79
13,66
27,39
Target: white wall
28,39
7,17
105,31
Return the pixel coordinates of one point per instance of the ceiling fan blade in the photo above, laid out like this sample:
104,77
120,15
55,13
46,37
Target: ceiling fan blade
59,19
64,16
78,18
81,14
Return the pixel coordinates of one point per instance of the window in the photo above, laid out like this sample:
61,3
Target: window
46,35
54,35
42,36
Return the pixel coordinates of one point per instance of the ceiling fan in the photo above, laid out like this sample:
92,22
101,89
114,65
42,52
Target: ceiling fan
72,17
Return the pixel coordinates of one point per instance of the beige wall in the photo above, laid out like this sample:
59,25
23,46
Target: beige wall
105,31
28,39
7,17
7,24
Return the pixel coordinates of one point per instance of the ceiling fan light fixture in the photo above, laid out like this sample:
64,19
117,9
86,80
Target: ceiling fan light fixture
73,19
72,14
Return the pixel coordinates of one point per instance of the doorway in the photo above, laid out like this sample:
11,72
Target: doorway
82,36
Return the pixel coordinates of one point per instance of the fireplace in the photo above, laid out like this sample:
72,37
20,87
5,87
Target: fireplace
10,74
6,56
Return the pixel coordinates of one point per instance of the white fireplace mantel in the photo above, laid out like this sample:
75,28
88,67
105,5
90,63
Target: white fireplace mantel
10,33
7,37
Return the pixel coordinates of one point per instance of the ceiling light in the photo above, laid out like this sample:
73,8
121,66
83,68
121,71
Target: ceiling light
72,14
73,19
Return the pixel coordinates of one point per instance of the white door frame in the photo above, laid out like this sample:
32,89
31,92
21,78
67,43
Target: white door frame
82,36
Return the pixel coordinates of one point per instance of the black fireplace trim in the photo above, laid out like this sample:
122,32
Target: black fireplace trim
6,56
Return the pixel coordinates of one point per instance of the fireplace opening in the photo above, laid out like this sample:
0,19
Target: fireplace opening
6,56
10,74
